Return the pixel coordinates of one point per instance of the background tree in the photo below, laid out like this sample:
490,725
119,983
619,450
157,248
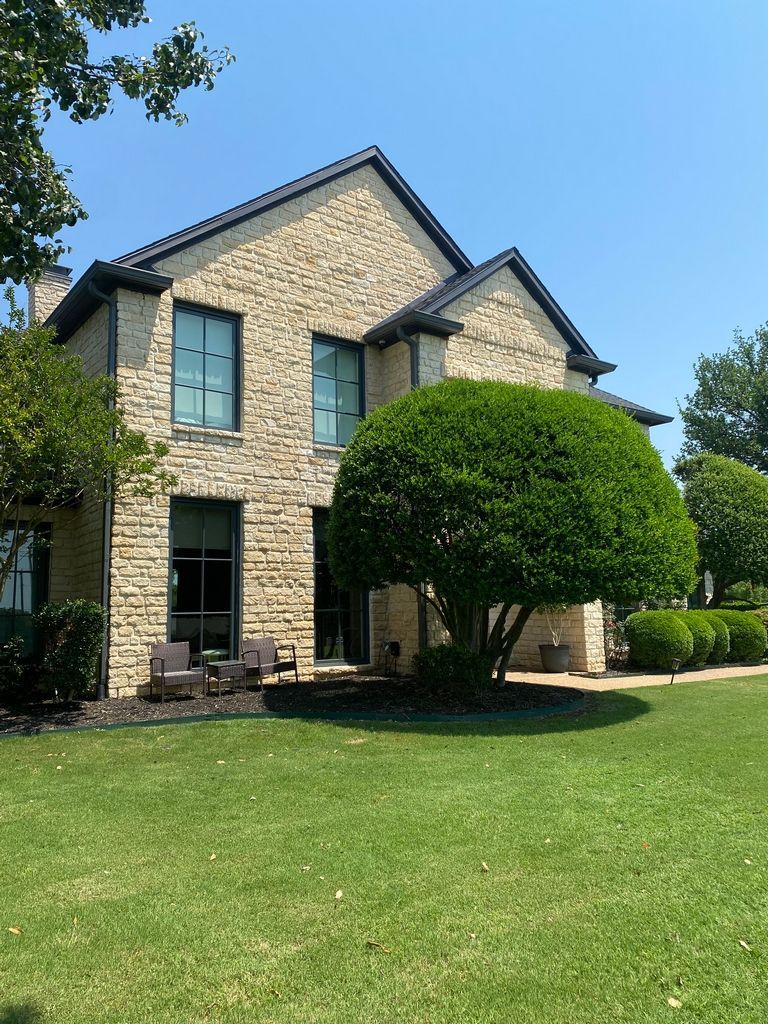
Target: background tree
46,61
728,412
61,437
728,501
503,494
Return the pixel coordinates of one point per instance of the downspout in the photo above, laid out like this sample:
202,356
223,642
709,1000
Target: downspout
106,533
421,602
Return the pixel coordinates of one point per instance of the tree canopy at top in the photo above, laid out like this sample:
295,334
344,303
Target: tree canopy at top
728,412
46,61
503,494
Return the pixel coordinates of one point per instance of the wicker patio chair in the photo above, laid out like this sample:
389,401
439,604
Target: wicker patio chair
171,665
263,657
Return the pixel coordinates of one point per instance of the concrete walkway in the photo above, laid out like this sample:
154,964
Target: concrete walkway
629,682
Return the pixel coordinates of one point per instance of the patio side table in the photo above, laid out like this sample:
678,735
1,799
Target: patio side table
219,671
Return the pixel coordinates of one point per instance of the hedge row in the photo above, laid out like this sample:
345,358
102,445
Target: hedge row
694,637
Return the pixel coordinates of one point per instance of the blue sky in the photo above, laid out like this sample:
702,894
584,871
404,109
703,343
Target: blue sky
622,146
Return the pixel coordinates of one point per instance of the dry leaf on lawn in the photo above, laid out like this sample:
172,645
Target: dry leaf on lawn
16,931
745,945
377,945
485,867
221,762
472,935
212,857
339,894
674,1003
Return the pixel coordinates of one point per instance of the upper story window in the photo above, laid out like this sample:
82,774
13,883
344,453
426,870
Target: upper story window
337,390
205,383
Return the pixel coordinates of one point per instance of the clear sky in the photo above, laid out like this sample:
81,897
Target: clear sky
621,145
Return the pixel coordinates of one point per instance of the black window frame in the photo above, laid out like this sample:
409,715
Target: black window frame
365,623
41,554
359,351
237,561
215,314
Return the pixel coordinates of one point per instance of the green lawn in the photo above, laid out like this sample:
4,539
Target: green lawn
626,854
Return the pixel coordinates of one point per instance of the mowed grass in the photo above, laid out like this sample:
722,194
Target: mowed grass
626,854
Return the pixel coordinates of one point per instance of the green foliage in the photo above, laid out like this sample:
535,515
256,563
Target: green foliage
728,412
728,501
722,643
45,62
657,638
72,634
746,591
448,665
11,666
762,614
703,635
61,436
738,606
504,494
747,635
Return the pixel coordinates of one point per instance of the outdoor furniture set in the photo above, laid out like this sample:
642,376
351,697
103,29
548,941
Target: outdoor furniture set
172,665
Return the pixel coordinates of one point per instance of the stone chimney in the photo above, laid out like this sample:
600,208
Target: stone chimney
48,291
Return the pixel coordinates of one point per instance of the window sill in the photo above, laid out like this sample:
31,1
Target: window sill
328,449
189,432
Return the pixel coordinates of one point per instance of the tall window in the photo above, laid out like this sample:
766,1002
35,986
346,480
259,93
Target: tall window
341,616
26,588
337,390
203,575
204,368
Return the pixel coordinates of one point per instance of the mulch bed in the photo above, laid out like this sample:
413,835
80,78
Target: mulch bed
401,695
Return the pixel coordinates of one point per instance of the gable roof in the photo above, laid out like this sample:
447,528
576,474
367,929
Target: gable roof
452,288
372,157
639,412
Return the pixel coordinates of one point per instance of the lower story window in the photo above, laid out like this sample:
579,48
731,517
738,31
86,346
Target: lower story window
341,616
26,588
204,565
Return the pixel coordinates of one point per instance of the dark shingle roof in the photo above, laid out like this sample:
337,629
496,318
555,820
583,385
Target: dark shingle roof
639,412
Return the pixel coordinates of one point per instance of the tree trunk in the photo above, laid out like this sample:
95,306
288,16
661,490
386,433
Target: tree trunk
719,588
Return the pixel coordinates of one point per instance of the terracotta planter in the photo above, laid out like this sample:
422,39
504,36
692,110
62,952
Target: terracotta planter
555,658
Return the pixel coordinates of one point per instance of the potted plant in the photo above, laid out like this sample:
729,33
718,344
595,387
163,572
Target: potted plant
555,657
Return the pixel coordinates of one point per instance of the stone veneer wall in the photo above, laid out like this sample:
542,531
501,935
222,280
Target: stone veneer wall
334,261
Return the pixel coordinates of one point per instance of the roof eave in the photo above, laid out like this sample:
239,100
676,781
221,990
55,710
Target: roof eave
179,240
80,302
590,365
413,322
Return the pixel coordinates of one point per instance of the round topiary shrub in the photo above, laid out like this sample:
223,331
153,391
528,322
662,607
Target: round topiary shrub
738,606
657,638
762,614
722,637
747,633
703,635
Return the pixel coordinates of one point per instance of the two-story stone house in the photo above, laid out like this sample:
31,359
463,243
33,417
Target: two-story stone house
252,343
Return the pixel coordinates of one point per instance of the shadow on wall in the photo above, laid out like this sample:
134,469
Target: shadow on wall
20,1013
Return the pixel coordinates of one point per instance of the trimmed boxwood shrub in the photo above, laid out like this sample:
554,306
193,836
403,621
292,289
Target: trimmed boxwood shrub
451,665
738,606
703,636
72,635
722,637
656,638
747,633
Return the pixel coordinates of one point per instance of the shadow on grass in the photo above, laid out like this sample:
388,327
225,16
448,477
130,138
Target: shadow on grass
20,1013
599,711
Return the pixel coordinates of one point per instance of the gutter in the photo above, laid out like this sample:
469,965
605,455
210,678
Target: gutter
413,345
106,534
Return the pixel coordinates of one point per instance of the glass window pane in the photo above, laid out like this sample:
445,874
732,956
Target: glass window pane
217,587
325,427
348,398
188,405
186,585
188,368
324,359
188,330
217,634
346,428
218,374
220,337
324,393
327,638
219,410
347,364
186,627
218,533
187,531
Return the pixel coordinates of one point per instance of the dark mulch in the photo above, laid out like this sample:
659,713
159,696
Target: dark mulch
371,693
